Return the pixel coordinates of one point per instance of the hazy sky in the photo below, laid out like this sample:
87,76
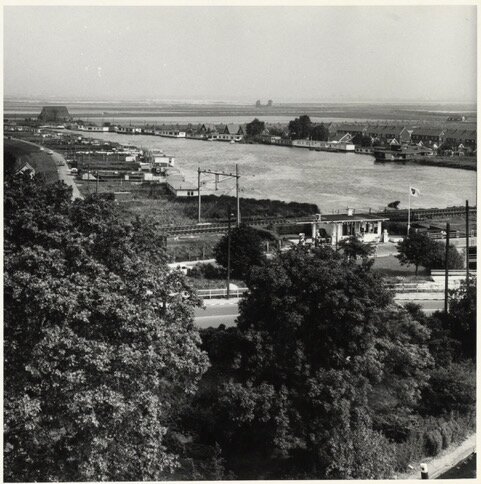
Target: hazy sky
242,53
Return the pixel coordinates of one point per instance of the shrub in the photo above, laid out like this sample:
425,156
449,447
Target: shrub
446,434
207,271
433,442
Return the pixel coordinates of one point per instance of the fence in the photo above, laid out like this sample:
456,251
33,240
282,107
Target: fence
220,293
398,288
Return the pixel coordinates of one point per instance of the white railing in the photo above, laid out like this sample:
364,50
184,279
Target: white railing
401,287
221,293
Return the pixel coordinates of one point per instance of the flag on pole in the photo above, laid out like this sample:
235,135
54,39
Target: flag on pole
414,192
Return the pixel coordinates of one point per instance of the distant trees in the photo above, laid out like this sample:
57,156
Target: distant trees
100,350
300,128
255,127
420,250
245,249
319,132
362,140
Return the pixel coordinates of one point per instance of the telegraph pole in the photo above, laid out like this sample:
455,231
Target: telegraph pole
446,271
237,193
198,189
228,254
217,181
467,245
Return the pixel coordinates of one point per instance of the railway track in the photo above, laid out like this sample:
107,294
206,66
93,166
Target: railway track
217,226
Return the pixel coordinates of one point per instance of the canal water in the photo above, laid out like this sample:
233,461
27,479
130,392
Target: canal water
333,181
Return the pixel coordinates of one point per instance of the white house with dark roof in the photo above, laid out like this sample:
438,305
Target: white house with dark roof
232,132
335,228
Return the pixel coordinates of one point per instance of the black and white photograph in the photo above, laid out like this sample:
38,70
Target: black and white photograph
239,241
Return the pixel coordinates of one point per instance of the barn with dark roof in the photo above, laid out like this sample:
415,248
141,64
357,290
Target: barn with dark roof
54,114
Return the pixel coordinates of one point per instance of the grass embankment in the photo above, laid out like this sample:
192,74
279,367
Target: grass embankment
16,152
165,209
157,203
460,162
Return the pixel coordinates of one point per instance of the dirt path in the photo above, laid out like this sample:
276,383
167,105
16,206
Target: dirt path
444,461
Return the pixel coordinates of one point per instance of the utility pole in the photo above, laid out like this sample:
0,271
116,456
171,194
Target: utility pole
409,212
237,193
467,245
217,181
446,271
96,182
198,190
228,254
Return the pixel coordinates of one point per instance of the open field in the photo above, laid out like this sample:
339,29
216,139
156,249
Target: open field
184,112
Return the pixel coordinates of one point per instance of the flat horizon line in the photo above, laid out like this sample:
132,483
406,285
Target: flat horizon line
244,101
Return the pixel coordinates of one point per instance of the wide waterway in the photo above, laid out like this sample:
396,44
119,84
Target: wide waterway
333,181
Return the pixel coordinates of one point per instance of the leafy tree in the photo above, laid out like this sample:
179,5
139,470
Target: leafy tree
462,318
276,131
300,128
319,132
255,127
245,250
415,249
100,349
394,204
317,337
360,453
437,256
451,388
361,140
353,248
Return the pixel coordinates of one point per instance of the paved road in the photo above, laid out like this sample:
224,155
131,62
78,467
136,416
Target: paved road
428,305
216,314
64,174
463,470
221,311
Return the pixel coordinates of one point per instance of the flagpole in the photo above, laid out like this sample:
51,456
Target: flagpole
409,211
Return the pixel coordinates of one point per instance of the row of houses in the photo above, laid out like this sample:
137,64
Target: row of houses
427,136
215,132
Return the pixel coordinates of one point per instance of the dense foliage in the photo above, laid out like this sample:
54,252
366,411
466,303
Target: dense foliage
361,140
106,377
245,250
216,207
303,127
421,250
318,363
255,127
101,352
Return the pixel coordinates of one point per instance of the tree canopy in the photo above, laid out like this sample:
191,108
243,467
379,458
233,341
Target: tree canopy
319,132
316,340
421,250
300,128
255,127
362,140
245,249
100,348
